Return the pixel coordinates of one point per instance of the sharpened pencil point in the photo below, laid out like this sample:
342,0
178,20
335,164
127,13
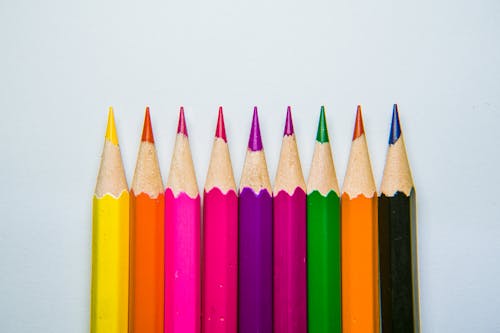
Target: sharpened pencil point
255,140
111,134
147,130
289,122
322,135
181,127
395,126
358,127
220,132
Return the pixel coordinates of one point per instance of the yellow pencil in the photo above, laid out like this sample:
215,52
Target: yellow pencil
110,242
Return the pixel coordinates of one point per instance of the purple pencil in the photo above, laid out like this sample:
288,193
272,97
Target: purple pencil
255,265
289,253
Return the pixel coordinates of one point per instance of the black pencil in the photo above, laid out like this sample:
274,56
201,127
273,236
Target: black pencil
398,239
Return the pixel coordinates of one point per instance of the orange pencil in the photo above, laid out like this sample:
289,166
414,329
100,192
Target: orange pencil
360,295
146,239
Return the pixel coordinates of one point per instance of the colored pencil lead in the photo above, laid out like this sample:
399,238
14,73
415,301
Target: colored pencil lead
220,132
289,122
147,130
255,140
395,126
181,127
322,135
111,135
358,127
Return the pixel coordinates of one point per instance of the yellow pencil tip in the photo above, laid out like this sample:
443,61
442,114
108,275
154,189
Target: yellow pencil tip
111,135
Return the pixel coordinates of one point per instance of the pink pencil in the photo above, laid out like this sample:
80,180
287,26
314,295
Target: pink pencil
220,237
182,240
289,267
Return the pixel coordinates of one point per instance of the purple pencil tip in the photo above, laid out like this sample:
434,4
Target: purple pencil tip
255,140
289,122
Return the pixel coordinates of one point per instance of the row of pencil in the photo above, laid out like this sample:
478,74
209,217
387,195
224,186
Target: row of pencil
294,258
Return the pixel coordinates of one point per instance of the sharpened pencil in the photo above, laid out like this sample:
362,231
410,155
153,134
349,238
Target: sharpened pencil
255,243
110,240
182,240
220,239
360,289
146,238
398,239
323,239
289,249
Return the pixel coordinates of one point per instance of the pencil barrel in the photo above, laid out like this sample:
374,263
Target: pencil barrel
182,263
110,254
398,263
220,256
255,262
289,267
323,263
360,289
146,263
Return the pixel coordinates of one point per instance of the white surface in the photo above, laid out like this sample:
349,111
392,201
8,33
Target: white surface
63,62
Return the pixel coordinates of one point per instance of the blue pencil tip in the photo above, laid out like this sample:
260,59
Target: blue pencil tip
395,126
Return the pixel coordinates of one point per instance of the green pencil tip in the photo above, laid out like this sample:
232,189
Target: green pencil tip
322,135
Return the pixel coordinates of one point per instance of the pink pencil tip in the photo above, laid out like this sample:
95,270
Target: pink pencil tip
220,132
181,127
289,122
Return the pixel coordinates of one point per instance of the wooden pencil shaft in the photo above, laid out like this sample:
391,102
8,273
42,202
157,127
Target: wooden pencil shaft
323,263
289,262
220,261
398,263
182,263
360,289
110,250
255,261
146,263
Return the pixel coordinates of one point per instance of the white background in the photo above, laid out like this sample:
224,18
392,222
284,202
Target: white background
62,63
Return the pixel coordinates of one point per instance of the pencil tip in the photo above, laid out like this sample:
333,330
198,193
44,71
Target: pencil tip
358,127
322,134
147,130
395,126
220,132
255,140
181,127
111,134
289,122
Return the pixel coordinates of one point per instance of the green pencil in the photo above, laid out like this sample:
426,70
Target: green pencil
323,239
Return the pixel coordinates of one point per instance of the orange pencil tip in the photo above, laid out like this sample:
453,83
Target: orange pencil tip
147,130
358,127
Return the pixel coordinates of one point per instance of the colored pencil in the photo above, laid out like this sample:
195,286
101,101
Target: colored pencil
146,238
289,249
398,239
110,246
182,240
323,238
220,239
360,296
255,260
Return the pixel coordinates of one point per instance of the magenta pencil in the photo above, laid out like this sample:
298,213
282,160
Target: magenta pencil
182,240
220,240
289,234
